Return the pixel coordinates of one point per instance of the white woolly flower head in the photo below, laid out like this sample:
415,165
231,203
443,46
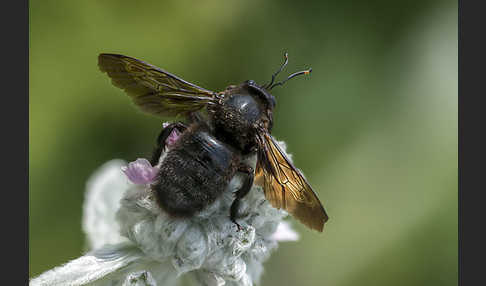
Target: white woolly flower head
135,242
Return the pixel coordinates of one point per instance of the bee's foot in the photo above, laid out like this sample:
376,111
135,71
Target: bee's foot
239,227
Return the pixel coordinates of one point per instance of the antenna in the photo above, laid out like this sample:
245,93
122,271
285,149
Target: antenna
286,60
305,72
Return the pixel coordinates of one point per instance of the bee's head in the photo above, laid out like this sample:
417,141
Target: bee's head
254,102
262,92
266,99
263,95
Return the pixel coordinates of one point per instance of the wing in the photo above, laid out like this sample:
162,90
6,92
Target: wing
152,89
285,186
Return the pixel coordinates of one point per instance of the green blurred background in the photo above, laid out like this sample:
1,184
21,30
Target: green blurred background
374,127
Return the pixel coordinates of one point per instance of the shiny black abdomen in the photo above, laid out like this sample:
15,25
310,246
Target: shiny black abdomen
194,173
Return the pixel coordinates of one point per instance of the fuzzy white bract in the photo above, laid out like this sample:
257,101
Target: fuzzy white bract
134,242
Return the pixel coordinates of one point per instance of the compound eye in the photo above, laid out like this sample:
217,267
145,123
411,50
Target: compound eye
250,82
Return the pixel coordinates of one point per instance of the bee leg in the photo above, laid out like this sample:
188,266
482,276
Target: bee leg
243,191
162,139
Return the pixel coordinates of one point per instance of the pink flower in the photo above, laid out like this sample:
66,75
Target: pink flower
173,136
140,172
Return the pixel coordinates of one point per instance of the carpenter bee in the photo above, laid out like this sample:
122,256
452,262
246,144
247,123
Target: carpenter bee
223,128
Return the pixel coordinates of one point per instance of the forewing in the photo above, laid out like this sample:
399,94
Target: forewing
152,89
285,187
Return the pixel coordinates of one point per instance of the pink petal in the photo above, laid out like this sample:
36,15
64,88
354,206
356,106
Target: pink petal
140,172
173,136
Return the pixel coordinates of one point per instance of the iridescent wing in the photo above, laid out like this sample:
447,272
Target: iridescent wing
284,185
152,89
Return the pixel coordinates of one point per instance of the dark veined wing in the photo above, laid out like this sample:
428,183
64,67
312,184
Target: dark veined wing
284,185
154,90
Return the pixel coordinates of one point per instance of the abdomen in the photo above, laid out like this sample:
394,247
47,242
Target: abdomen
194,173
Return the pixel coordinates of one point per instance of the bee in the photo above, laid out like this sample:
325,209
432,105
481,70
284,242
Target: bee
222,128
